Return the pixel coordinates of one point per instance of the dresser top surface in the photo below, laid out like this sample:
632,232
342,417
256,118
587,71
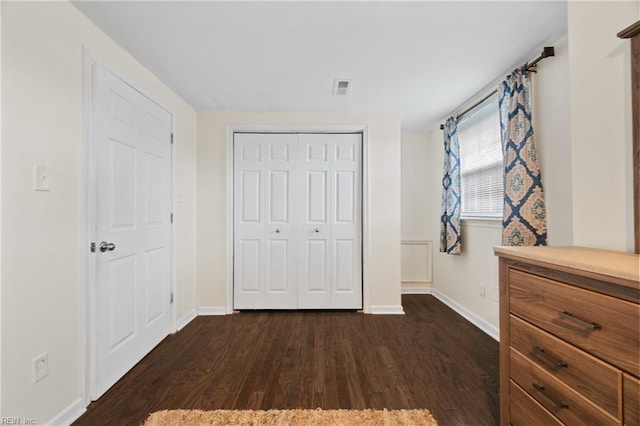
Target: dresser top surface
610,263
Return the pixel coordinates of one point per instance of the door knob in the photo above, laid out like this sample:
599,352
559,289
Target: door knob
317,230
277,231
105,246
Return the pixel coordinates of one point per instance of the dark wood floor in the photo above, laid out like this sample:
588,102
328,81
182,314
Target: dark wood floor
429,358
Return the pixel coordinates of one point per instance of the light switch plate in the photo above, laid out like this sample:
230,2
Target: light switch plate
42,178
40,367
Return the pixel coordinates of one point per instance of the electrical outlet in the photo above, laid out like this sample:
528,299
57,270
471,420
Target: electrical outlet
40,367
483,289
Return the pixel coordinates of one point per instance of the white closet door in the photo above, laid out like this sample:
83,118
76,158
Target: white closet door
264,228
330,240
297,221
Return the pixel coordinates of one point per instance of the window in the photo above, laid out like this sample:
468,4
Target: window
481,170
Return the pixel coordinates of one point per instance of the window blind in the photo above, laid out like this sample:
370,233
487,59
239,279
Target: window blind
481,170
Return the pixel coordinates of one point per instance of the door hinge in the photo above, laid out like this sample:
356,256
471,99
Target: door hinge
171,217
171,138
92,247
171,299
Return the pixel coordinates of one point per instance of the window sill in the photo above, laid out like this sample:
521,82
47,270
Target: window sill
482,222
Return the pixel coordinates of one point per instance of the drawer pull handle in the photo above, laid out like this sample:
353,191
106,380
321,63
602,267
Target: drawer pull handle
537,350
558,403
589,325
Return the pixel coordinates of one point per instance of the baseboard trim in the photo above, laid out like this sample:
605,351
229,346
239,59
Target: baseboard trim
69,414
212,310
387,310
186,319
414,290
468,315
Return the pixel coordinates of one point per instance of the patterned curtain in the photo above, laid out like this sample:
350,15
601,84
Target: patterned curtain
525,217
450,218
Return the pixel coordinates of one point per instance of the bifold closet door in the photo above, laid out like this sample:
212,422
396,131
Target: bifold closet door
265,267
330,243
297,221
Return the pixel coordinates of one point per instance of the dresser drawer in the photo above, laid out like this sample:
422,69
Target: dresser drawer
565,403
602,325
525,411
631,395
587,375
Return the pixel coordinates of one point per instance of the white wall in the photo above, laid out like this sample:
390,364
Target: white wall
457,279
42,252
415,197
550,120
384,198
600,122
1,40
416,259
582,122
184,232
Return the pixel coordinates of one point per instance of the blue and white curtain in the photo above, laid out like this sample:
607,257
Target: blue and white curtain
525,215
450,218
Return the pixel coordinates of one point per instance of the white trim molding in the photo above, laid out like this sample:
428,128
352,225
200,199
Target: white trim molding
417,261
387,310
69,414
482,222
420,289
212,310
186,319
483,325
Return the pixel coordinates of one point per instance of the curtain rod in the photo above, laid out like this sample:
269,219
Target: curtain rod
547,51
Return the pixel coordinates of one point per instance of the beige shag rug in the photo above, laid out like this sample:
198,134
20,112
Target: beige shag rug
292,417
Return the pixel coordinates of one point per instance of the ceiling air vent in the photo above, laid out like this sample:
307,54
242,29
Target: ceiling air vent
341,87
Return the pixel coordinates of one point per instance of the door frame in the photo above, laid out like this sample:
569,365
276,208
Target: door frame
88,222
301,128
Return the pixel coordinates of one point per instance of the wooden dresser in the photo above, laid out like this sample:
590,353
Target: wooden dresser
569,336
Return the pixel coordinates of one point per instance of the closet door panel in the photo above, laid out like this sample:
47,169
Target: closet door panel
265,258
347,222
330,274
314,286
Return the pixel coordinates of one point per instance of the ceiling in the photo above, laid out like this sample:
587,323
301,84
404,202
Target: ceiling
422,59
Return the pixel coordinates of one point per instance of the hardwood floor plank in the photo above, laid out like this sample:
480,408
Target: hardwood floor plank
429,358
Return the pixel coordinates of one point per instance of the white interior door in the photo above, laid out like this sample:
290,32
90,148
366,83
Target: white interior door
131,137
264,221
297,221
